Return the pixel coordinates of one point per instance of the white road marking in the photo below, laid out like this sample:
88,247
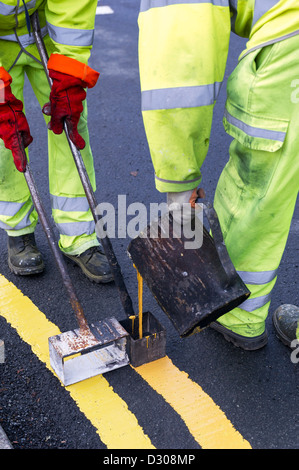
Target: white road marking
104,10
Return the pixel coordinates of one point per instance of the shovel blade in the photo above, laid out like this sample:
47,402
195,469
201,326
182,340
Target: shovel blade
189,284
75,356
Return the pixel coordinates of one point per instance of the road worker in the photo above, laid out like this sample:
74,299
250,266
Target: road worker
67,28
183,47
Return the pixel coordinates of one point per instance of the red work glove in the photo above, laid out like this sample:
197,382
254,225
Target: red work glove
65,104
14,128
70,77
197,193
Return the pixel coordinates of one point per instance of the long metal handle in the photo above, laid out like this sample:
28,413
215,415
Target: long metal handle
106,243
55,250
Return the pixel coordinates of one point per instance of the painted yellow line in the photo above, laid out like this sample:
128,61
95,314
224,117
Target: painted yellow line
115,424
206,422
117,427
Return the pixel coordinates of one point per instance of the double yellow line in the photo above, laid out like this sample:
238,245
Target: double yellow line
116,425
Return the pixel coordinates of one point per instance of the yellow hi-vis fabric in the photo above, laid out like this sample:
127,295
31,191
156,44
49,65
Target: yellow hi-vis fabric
183,48
182,55
181,69
70,208
257,190
264,22
70,25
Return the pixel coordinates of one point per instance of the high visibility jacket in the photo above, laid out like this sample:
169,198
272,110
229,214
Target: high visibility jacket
183,47
70,25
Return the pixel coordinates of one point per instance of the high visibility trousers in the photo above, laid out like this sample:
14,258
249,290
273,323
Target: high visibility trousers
70,208
257,190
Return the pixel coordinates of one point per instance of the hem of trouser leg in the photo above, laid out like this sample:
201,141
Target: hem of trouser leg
79,249
165,187
243,330
18,233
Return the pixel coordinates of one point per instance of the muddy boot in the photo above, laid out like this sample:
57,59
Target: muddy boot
247,343
94,264
23,256
286,321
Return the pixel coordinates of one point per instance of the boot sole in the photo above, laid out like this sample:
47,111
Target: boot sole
246,343
25,271
105,279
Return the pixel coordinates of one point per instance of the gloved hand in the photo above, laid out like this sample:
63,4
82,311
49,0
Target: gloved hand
69,80
14,128
67,94
182,205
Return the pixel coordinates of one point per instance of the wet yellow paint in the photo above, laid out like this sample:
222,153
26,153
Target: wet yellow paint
73,356
132,318
117,427
140,301
206,422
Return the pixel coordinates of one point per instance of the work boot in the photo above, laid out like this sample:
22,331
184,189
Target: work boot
285,321
23,256
244,342
94,264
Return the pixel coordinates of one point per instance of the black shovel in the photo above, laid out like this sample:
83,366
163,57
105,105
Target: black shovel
193,286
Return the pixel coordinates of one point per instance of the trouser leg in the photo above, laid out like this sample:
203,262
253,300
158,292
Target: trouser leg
255,233
70,208
258,188
17,214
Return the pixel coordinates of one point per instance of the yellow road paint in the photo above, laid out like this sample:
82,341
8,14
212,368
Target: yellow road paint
206,422
117,427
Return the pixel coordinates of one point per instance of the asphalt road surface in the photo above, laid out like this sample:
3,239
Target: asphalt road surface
205,393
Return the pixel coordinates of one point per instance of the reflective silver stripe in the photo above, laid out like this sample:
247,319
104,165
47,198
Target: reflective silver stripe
7,10
272,41
25,222
10,208
73,229
261,7
25,39
178,182
257,278
254,131
253,304
69,204
180,97
71,36
148,4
